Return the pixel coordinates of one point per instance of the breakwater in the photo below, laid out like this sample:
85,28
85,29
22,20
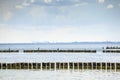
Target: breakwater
111,49
63,65
60,50
9,51
38,50
48,50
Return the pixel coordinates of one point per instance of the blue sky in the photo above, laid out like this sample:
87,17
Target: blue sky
59,20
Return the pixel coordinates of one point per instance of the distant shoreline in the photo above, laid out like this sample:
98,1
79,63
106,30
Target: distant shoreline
63,43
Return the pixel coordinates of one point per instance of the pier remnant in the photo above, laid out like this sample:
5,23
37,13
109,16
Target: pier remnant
63,66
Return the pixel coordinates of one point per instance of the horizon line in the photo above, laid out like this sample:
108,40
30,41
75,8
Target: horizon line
61,42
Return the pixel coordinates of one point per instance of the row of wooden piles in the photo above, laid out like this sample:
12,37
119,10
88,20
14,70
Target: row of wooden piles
55,50
112,49
105,50
9,51
62,66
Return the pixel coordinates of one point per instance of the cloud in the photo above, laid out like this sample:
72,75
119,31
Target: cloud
119,5
6,10
11,35
25,3
38,12
37,34
47,1
59,3
101,1
7,15
32,1
19,7
110,6
81,4
65,33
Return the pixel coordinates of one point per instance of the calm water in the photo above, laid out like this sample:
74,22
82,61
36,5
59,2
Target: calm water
55,46
58,75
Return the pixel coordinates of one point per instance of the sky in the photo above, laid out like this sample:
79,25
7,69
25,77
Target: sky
26,21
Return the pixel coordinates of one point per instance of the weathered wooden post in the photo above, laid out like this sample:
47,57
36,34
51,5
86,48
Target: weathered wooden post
63,66
82,65
110,67
32,66
47,65
106,66
87,65
59,65
101,65
0,66
68,66
41,66
28,66
98,66
92,65
115,67
5,66
78,65
50,65
10,66
73,66
55,65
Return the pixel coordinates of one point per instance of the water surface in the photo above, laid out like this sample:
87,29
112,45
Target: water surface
58,75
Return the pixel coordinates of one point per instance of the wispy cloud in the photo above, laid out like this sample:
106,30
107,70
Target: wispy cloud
7,15
59,20
110,6
38,13
24,4
67,33
47,1
36,34
101,1
119,5
81,4
6,9
32,1
59,3
19,6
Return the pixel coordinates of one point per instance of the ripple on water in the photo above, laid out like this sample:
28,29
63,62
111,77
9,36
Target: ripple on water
58,75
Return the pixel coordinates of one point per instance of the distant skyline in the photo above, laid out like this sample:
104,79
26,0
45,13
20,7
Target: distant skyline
26,21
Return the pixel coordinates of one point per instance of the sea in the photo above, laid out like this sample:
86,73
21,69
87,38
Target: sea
58,74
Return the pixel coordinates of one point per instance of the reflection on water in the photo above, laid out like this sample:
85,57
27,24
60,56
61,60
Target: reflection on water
58,75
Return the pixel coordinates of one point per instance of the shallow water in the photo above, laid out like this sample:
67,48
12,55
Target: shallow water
59,57
58,75
97,46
